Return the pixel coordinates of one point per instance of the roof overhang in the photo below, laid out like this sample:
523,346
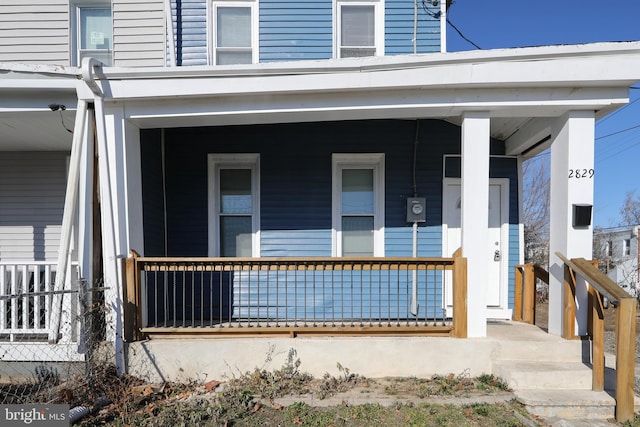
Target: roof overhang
521,89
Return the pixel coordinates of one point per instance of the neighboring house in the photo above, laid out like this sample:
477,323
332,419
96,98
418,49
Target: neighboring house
617,250
194,137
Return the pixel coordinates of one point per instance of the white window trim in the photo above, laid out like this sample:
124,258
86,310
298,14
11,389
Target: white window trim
626,247
373,161
379,22
231,161
74,27
212,5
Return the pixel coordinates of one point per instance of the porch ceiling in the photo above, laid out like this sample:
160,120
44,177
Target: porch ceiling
26,121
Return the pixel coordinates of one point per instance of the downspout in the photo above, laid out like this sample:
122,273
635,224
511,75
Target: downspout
443,25
170,35
109,242
414,227
415,27
70,205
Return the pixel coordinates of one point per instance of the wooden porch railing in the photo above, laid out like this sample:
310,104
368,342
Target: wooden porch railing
294,296
524,307
600,285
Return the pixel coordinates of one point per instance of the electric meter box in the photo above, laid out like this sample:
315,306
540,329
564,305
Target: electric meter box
416,209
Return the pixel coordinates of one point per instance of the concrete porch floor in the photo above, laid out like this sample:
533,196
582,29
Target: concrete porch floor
372,356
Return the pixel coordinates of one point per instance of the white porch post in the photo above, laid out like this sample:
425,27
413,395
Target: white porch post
572,160
121,207
475,216
84,218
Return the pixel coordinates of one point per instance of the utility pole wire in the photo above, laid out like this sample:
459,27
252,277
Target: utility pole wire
620,131
462,35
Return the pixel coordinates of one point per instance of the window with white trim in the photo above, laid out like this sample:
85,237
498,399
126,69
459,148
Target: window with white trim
359,28
358,204
234,205
93,26
626,247
234,32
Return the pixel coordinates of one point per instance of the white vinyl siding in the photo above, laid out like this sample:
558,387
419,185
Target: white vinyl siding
139,38
34,31
32,188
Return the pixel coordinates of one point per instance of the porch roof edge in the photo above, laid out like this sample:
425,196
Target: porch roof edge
379,63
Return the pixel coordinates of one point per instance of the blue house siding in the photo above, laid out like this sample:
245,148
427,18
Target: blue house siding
154,236
190,31
399,28
296,180
294,30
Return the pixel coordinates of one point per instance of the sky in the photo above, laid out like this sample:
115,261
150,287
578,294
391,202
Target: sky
495,24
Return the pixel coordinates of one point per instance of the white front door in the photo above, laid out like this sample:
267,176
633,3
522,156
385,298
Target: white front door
497,246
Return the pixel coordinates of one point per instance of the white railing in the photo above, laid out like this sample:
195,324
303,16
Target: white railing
26,294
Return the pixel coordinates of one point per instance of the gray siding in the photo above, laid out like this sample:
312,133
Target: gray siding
32,188
34,31
139,33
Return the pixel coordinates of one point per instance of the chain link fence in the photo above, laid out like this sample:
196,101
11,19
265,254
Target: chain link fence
68,366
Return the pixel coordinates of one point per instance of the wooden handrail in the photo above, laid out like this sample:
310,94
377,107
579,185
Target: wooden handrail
600,284
596,278
524,307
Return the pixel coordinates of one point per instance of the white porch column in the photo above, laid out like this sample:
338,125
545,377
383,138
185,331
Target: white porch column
475,216
121,206
572,154
84,220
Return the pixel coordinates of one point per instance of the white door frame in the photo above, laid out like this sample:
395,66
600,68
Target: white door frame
501,311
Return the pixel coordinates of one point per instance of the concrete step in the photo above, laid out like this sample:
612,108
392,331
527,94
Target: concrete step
568,404
523,375
557,350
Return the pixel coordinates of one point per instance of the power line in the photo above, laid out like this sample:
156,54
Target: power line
462,35
619,152
618,132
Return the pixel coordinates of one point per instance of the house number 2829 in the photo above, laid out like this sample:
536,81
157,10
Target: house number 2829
581,173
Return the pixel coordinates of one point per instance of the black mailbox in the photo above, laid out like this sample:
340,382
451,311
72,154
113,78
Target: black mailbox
582,216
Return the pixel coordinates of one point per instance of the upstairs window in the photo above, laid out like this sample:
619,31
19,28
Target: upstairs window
94,33
234,33
626,247
359,28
